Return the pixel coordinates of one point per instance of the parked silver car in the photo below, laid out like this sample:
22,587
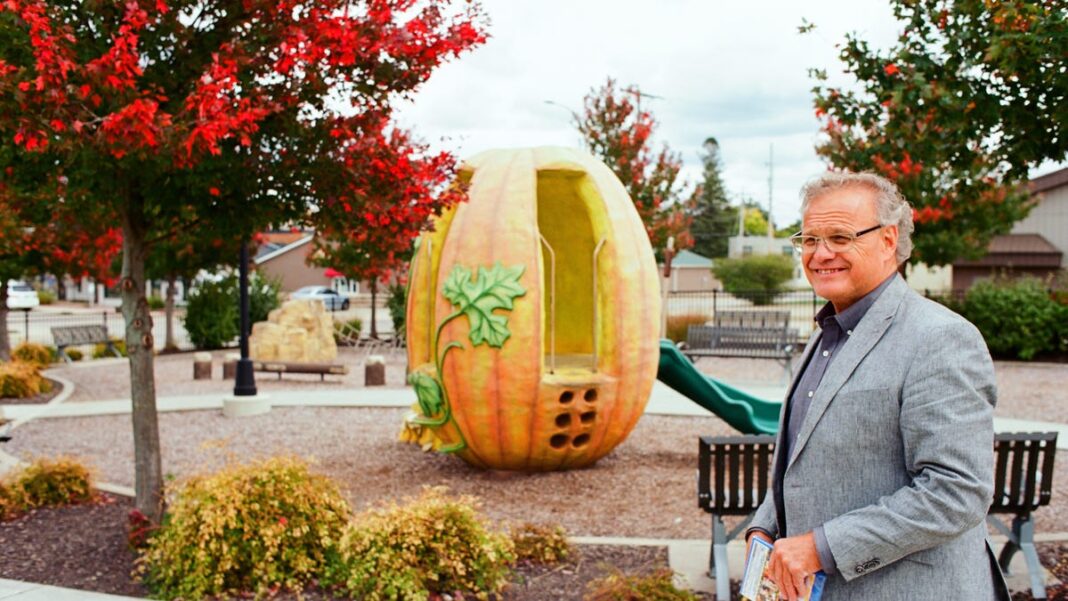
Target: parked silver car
21,295
330,297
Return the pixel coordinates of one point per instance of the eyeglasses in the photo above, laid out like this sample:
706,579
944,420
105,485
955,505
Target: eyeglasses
839,242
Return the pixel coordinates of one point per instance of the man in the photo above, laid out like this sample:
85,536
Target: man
883,467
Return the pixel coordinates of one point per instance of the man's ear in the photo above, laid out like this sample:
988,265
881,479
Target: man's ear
890,237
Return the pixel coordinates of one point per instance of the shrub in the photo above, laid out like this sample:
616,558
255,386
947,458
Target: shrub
100,351
212,318
75,354
432,544
8,505
537,543
658,586
211,315
248,528
20,380
677,325
263,297
37,354
756,278
46,297
51,482
156,302
397,304
1017,318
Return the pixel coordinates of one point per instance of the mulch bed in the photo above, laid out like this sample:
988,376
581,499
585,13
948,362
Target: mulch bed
44,397
84,547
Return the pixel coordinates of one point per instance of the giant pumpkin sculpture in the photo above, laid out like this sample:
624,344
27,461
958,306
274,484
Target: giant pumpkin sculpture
533,313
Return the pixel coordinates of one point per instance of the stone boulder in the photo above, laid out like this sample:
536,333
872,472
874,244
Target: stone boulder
300,331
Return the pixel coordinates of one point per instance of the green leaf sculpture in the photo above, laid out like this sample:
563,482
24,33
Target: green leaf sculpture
495,288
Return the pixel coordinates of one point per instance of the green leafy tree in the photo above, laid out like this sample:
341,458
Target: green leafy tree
757,278
755,220
714,219
971,96
617,130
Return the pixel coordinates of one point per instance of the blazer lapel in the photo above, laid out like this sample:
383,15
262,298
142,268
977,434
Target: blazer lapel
850,354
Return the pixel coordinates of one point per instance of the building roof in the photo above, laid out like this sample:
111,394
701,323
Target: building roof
263,258
1018,249
1049,181
687,258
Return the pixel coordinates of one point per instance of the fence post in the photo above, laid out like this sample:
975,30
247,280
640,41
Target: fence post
714,291
105,314
25,325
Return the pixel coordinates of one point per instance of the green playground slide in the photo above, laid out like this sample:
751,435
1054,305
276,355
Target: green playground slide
741,410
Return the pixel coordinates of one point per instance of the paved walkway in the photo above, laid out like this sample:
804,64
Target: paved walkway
688,558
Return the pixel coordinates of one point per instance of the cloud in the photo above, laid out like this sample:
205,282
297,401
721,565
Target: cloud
735,71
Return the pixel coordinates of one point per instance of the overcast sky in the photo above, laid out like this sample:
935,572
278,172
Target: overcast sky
736,71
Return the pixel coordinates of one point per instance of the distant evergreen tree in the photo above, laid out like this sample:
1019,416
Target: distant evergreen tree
714,219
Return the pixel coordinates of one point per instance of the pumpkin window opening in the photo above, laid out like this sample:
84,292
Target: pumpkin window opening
558,441
565,201
580,440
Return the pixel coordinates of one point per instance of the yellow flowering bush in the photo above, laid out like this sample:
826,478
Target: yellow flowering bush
617,586
430,544
540,543
38,354
44,483
253,528
19,380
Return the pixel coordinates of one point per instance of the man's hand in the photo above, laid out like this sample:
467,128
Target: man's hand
756,534
793,560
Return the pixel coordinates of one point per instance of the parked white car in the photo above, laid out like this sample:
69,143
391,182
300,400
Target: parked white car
330,297
21,295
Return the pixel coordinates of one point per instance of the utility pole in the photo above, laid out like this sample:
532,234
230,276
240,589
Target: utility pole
771,176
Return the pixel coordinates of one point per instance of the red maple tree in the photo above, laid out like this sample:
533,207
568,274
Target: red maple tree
229,114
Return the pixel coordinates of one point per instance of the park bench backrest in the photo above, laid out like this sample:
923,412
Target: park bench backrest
1023,471
733,473
752,320
76,335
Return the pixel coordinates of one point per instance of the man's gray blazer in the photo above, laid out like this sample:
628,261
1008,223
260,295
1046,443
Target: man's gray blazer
895,457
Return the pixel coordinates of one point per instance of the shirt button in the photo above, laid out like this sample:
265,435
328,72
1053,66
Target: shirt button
810,394
825,353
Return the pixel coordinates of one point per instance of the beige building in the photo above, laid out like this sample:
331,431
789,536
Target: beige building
691,272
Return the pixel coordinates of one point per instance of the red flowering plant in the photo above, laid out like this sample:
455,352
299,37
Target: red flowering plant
618,131
219,117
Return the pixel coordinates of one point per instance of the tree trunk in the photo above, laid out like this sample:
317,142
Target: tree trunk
374,292
148,472
168,306
5,341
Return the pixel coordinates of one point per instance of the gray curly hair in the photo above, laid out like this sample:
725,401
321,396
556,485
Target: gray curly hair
890,206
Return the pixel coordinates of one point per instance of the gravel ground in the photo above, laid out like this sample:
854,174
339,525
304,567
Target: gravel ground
644,488
109,379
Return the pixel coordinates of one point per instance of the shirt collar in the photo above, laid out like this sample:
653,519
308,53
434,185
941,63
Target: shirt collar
848,319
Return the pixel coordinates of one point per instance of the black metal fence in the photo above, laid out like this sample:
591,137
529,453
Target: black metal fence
36,326
702,305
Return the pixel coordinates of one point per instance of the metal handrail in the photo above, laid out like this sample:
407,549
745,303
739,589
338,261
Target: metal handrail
552,304
596,252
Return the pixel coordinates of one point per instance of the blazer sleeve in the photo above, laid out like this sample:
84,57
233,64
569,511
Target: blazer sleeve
765,518
946,425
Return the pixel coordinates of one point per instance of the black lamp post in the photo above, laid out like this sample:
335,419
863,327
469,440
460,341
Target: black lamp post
244,381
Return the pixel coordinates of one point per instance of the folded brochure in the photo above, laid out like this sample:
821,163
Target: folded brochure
757,586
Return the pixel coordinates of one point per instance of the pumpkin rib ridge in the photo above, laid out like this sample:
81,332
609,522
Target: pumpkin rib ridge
461,231
496,357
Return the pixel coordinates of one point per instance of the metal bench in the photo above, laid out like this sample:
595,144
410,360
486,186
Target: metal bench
1023,482
65,336
754,334
734,475
282,367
